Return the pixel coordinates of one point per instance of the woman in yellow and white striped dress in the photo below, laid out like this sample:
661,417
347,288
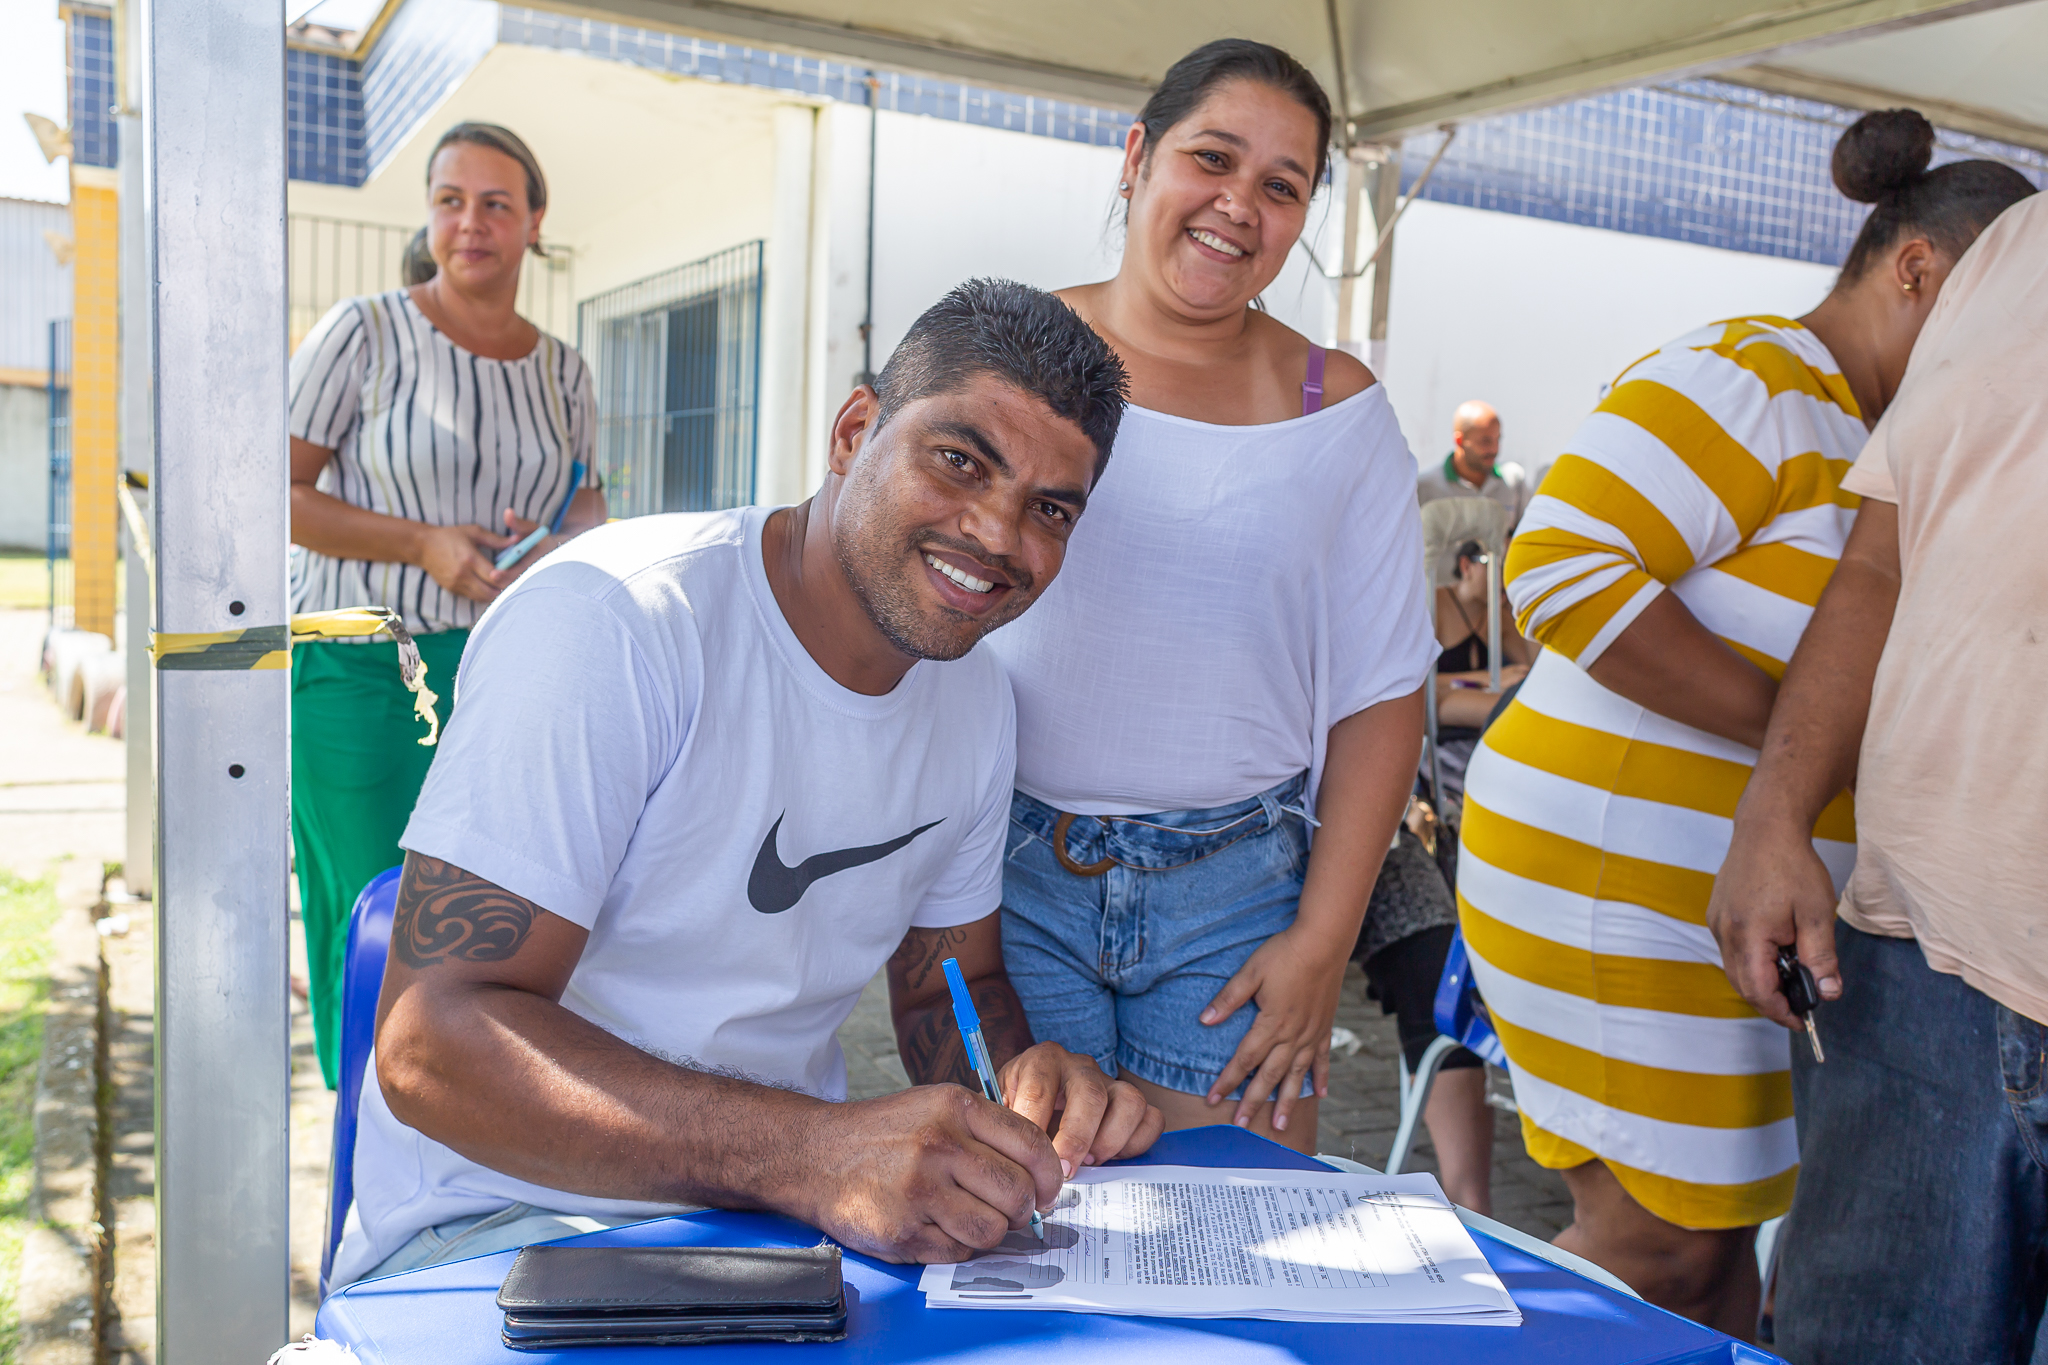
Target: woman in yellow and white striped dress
1673,554
1669,564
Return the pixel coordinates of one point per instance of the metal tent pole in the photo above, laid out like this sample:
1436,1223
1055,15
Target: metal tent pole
214,164
139,868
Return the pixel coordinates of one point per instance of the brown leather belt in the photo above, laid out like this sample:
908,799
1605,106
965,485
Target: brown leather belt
1059,850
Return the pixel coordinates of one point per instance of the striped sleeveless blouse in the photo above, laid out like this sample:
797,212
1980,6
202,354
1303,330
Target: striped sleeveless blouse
1593,827
425,430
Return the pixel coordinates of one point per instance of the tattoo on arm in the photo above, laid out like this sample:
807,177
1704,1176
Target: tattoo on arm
1002,1019
920,954
929,1039
446,914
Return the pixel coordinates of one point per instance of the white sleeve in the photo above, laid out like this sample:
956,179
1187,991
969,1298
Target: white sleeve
327,377
561,729
971,887
1380,641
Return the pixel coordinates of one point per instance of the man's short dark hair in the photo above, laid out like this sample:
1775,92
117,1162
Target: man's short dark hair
1023,336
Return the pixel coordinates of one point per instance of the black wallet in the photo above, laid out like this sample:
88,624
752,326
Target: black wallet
557,1297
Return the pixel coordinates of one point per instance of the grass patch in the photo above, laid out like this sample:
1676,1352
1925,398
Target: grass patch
25,580
27,909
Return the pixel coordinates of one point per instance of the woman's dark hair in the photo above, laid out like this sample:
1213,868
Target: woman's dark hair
417,266
1195,77
498,139
1882,160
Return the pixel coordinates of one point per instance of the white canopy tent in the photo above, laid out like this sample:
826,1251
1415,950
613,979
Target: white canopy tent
206,308
1409,66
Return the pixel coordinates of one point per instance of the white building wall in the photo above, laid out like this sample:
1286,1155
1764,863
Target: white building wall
650,172
838,281
957,201
24,468
785,309
1535,316
644,171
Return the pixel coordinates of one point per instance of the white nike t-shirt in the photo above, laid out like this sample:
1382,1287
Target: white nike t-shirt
641,745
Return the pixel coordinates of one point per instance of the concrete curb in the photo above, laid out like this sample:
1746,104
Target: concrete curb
59,1296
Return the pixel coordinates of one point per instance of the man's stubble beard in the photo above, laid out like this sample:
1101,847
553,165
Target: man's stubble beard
880,580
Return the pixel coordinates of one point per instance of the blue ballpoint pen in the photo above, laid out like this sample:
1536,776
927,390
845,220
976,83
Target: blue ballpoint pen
512,554
965,1015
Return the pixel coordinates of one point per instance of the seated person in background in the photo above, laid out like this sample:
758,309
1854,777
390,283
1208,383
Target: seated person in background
706,775
1401,948
1471,469
1465,697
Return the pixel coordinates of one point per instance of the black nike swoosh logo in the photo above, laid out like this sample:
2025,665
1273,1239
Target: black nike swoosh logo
773,888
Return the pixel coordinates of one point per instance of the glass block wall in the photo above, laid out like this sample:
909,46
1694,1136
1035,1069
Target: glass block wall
89,53
323,110
1696,161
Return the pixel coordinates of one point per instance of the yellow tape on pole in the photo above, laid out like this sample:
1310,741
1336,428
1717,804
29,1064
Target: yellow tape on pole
270,647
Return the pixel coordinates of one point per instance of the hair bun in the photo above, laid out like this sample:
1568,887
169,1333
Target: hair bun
1882,152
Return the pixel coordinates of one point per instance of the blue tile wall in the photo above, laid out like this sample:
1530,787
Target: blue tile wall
419,60
677,55
323,107
94,139
1695,161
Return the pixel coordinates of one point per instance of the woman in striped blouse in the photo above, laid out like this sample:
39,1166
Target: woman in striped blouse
431,427
1668,565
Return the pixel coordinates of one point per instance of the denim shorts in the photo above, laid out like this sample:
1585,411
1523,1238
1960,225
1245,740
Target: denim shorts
1120,965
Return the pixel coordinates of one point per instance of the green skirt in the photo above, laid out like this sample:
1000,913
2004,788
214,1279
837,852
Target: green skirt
357,769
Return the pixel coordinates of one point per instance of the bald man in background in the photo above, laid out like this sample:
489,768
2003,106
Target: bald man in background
1470,470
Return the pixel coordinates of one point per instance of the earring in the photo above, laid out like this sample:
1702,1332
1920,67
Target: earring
1910,287
1124,185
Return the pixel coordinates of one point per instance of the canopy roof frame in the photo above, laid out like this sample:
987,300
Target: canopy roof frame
1399,75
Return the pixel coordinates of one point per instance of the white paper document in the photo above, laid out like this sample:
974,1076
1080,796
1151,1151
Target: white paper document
1192,1242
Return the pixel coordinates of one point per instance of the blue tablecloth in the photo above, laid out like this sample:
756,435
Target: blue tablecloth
447,1315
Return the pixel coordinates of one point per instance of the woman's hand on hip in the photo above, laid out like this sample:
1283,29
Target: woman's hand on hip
459,559
1293,978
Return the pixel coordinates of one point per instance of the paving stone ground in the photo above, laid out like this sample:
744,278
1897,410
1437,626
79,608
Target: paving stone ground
1358,1119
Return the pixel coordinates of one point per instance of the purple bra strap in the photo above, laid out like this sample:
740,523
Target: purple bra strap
1312,387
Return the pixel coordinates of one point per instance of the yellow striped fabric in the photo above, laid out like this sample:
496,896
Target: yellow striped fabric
1593,827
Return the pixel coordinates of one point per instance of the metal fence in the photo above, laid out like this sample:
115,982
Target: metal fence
334,259
57,537
677,362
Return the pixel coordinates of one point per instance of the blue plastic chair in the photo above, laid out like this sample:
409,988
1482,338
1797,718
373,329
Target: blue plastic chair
1461,1021
362,978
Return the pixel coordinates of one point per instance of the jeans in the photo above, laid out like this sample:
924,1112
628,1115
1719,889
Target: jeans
1120,965
1919,1230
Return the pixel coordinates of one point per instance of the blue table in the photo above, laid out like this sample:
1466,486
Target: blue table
447,1315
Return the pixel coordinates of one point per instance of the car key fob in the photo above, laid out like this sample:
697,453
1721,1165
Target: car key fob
1802,995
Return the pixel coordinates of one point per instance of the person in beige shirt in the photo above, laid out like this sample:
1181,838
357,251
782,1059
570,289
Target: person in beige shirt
1918,1226
1474,468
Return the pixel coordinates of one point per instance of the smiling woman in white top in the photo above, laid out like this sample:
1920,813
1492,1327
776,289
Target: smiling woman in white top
431,427
1234,651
